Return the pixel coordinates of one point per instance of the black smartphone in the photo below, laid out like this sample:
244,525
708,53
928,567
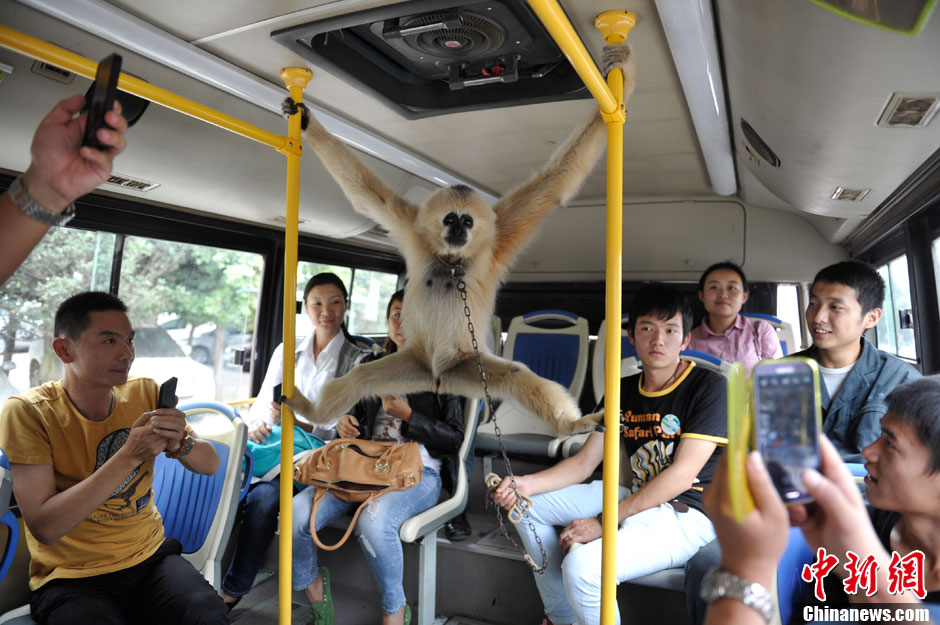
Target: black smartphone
277,394
787,421
167,396
101,100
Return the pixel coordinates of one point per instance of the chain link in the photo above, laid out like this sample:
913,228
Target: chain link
457,272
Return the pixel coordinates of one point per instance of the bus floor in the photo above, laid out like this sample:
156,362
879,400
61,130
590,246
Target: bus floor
483,579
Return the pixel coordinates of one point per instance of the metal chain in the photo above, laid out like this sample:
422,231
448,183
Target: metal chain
457,272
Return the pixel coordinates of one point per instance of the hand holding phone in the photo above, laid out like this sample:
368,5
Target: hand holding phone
787,423
101,100
167,396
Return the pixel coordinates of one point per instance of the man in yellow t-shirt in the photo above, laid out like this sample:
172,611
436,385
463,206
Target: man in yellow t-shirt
82,455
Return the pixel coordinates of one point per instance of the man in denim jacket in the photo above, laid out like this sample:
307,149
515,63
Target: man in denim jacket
845,301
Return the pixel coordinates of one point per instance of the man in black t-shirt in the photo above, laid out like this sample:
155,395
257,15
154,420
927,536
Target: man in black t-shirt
673,416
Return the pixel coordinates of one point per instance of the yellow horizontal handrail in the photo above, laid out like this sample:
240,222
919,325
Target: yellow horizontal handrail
561,30
60,57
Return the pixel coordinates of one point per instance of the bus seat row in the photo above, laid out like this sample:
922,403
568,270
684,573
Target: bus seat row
555,344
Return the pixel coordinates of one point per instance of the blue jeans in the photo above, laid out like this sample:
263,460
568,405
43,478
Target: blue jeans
653,540
259,520
377,530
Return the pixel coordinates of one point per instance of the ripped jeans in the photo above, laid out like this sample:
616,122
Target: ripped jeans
377,530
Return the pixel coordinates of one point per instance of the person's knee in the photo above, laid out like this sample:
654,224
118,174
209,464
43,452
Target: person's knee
204,609
83,609
581,571
301,517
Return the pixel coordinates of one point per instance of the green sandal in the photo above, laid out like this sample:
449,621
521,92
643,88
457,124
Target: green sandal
407,614
322,611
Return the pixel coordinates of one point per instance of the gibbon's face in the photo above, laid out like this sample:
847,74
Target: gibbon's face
456,222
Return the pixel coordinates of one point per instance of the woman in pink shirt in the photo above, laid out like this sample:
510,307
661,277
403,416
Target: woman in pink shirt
724,332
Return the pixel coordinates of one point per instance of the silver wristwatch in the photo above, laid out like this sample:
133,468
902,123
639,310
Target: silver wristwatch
21,198
719,583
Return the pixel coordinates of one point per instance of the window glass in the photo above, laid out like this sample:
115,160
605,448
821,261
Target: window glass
193,307
887,331
788,310
66,262
371,292
901,299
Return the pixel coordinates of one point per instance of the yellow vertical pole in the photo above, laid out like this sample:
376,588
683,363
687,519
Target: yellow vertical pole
295,79
614,25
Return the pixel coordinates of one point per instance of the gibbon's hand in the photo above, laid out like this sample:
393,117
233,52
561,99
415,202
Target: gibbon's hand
579,531
347,426
752,547
617,55
289,107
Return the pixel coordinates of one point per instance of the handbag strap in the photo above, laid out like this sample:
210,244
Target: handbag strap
317,497
757,347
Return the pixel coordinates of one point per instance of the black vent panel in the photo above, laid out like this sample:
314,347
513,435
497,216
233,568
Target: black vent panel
429,57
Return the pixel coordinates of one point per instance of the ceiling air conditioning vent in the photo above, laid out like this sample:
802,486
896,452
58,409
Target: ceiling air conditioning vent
850,195
909,110
51,71
135,184
430,57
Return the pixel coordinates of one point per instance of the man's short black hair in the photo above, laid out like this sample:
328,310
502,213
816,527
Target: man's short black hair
74,314
917,403
663,302
862,277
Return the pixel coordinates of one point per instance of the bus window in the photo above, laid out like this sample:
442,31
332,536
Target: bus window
895,329
66,262
193,307
370,294
788,310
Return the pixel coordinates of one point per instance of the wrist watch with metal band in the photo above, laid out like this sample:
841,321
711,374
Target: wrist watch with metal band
719,583
186,445
21,198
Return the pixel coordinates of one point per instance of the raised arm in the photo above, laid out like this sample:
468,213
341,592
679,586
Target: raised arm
366,191
519,213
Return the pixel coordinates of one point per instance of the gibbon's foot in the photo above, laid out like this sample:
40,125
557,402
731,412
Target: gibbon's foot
289,107
616,55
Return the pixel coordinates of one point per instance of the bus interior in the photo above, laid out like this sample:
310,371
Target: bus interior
782,135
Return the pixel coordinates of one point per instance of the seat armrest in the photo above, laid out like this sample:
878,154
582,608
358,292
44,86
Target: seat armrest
421,524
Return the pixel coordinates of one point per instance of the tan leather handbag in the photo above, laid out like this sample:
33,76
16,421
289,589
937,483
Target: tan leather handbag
357,470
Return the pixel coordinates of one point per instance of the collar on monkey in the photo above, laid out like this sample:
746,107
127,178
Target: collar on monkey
454,265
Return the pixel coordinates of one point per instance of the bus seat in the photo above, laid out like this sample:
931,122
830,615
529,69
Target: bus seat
365,342
706,361
629,363
784,331
199,510
789,569
554,345
424,527
6,515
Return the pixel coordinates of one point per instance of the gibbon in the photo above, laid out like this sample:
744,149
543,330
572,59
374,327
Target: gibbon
455,230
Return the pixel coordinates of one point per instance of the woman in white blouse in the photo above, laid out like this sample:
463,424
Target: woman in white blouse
326,353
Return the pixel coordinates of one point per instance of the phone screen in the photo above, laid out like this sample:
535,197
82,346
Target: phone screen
787,424
101,100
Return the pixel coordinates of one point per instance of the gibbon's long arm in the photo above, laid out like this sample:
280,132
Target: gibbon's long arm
365,190
519,213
